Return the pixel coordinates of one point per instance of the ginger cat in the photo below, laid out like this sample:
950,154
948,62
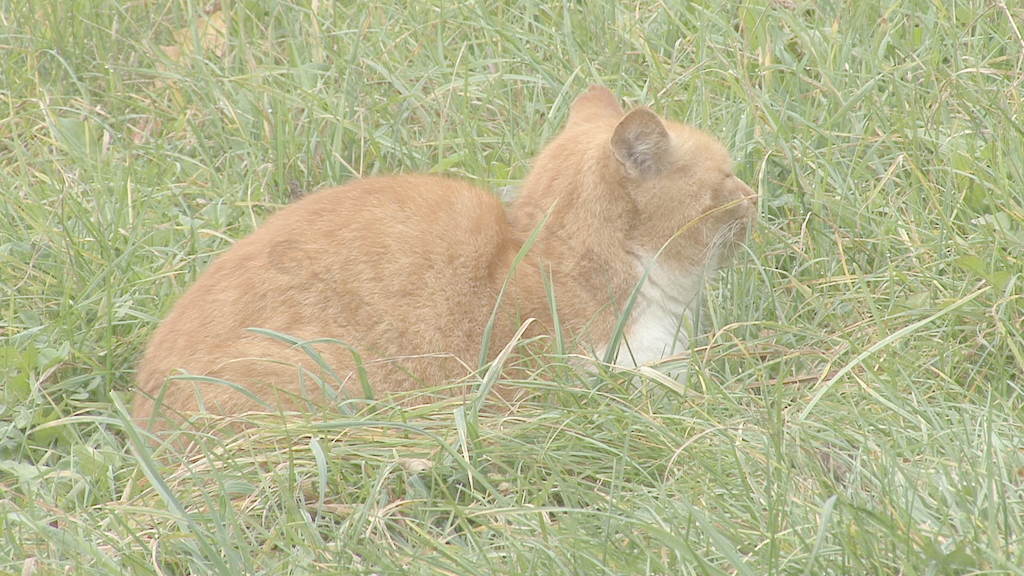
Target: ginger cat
405,271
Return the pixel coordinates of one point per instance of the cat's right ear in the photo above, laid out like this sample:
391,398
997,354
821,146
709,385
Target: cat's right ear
641,143
596,103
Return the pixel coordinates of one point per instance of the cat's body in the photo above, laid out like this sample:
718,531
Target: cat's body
406,271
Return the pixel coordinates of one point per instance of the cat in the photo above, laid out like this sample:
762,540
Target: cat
401,277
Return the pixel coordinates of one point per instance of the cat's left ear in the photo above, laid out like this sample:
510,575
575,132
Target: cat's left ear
641,143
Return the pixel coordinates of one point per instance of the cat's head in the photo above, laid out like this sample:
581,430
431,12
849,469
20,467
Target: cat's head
663,188
689,207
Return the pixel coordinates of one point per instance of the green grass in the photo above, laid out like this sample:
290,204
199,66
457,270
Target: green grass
856,405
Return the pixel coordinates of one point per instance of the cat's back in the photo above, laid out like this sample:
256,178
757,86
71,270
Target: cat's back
380,212
367,227
355,262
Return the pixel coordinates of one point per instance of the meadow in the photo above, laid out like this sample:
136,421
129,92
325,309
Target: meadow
855,399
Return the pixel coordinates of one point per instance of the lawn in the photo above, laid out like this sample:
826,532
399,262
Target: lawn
855,400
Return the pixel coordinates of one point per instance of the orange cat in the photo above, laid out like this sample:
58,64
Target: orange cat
400,275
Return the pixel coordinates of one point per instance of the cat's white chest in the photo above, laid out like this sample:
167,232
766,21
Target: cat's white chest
652,335
660,318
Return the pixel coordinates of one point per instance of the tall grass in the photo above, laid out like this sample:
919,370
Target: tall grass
855,404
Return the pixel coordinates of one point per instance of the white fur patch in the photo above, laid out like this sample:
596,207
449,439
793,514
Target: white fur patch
650,336
661,315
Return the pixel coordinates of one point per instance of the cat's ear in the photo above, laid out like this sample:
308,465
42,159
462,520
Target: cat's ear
641,143
596,103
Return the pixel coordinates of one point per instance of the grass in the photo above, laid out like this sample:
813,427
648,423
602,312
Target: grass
856,405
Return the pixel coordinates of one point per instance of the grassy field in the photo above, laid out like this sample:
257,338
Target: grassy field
855,404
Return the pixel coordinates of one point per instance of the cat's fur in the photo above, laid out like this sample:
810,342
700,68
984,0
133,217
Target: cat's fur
406,270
